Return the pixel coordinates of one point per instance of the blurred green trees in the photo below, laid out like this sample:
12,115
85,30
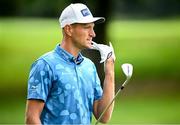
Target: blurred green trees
46,8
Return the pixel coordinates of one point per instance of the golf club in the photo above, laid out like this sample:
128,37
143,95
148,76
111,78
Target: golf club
128,70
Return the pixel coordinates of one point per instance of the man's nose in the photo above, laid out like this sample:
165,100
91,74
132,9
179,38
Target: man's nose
92,33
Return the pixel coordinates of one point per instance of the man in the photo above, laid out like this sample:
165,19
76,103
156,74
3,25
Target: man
63,86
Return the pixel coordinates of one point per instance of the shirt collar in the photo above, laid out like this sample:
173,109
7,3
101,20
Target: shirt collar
67,56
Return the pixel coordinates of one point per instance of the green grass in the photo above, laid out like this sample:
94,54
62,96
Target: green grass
148,103
152,46
146,111
12,111
22,41
127,110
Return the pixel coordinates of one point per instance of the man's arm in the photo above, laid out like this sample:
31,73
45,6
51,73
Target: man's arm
108,93
33,112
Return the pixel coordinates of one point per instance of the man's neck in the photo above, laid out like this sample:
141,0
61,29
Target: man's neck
70,48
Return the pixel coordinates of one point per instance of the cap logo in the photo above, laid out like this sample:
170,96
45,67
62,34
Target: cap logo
85,12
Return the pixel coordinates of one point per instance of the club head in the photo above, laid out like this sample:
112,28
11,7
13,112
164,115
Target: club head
127,69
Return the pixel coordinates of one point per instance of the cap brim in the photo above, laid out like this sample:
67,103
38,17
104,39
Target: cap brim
99,20
95,20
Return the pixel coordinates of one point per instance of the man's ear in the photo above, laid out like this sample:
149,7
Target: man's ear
68,30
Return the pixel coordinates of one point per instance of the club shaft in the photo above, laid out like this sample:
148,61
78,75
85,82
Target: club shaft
107,107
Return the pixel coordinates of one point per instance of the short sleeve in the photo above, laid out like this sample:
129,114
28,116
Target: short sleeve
39,82
97,89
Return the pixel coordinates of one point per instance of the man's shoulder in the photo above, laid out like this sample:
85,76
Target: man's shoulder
49,54
49,57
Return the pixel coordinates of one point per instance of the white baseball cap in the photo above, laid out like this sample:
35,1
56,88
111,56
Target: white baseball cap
78,13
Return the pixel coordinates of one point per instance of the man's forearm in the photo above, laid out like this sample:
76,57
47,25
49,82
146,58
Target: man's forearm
33,112
108,91
32,120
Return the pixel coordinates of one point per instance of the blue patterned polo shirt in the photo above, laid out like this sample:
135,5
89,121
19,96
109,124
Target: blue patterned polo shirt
67,85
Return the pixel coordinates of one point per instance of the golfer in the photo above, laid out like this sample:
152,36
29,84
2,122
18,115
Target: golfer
63,85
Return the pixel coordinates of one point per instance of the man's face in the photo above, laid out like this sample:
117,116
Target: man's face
82,35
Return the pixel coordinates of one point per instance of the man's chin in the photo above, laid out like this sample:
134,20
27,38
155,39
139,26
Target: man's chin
88,46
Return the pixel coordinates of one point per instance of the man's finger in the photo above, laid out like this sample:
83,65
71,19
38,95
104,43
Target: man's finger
113,53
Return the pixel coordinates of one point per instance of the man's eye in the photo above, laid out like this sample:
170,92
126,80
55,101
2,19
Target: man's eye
86,27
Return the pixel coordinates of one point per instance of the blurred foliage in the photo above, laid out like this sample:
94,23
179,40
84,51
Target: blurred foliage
135,8
146,8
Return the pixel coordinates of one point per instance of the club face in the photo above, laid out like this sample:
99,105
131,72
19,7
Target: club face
127,69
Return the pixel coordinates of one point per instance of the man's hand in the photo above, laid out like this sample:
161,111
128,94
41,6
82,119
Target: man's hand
105,51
